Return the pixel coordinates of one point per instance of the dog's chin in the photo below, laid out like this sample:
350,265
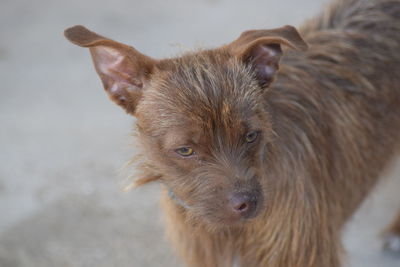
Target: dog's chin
220,223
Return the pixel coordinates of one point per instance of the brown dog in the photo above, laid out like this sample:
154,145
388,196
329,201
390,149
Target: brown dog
263,169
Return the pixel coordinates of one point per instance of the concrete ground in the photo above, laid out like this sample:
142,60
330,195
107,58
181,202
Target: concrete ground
62,142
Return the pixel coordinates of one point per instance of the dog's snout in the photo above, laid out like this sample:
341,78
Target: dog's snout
244,204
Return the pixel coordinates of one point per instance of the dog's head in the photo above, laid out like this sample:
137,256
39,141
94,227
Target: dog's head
201,118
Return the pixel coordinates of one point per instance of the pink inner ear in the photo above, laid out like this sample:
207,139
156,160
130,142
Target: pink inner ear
116,72
107,60
265,59
114,67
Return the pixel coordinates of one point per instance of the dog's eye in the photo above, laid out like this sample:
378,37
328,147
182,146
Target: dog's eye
251,136
185,151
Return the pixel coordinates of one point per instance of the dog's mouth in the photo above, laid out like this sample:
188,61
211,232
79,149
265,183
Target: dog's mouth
240,209
230,220
235,208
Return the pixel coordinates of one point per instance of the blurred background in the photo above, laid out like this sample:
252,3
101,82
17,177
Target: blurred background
63,143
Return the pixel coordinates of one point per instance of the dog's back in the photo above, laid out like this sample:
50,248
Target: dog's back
342,97
363,33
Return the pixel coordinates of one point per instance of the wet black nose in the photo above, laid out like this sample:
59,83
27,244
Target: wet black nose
244,204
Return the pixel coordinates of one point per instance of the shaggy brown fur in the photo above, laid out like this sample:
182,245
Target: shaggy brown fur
300,152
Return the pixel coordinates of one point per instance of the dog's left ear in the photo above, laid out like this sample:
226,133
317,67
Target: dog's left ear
123,70
262,49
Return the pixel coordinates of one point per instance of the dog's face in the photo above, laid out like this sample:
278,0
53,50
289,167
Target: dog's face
205,128
201,118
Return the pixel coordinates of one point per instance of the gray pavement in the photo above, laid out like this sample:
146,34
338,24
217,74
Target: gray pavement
63,143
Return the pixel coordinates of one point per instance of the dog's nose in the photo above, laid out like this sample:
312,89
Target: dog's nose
244,204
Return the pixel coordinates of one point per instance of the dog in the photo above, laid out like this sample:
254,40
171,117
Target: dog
267,145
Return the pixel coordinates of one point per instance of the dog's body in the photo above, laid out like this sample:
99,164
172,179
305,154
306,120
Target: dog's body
299,156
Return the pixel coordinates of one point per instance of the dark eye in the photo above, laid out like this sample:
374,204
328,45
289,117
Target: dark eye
251,136
185,151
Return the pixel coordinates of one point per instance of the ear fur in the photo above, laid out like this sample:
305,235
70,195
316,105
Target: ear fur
123,70
262,50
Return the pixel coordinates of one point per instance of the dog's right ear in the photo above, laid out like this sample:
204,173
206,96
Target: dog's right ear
123,70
